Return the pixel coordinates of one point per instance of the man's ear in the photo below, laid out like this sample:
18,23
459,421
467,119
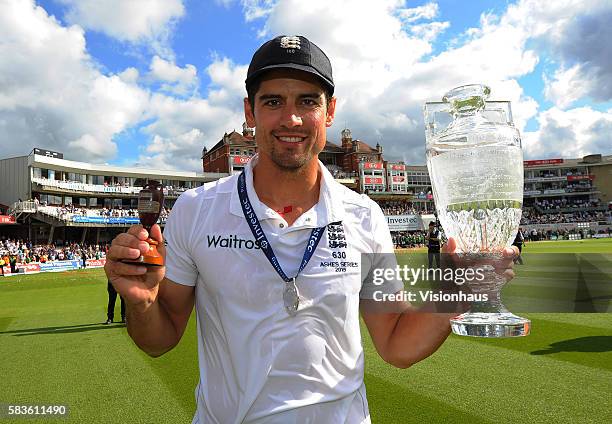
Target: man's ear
249,116
331,112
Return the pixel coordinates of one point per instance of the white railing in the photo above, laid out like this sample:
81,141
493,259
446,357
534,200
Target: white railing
21,206
49,210
100,188
62,213
94,188
581,190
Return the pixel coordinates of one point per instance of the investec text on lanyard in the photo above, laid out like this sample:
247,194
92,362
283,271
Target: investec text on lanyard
291,296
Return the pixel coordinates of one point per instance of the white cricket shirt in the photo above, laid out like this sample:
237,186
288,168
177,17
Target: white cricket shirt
257,363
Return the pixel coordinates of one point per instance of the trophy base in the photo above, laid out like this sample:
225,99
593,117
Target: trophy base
488,324
152,258
145,260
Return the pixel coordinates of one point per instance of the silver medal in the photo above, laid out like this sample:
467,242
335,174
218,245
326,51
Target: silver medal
291,297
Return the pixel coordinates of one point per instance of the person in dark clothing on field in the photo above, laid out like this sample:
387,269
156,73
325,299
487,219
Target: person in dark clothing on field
112,297
13,264
518,242
433,245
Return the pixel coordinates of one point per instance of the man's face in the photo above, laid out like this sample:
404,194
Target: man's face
290,115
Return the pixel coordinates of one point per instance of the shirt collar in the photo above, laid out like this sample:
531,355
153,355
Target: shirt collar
329,208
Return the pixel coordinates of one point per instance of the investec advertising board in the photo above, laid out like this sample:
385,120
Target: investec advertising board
55,266
404,222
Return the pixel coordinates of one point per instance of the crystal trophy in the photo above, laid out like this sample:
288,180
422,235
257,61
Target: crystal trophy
150,204
475,163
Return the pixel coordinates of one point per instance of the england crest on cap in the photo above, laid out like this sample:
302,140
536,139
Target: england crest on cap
290,42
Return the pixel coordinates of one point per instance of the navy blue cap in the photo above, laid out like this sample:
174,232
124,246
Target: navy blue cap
291,52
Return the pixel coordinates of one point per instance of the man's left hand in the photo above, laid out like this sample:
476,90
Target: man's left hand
502,261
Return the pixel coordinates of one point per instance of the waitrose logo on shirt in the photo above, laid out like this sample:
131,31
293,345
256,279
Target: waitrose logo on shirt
231,241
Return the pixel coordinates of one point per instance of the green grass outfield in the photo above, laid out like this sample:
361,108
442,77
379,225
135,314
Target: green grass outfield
54,350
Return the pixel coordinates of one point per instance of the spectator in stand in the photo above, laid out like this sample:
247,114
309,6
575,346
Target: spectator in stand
397,207
67,213
26,252
532,216
408,239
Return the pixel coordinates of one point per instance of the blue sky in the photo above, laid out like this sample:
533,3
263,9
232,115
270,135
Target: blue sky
152,82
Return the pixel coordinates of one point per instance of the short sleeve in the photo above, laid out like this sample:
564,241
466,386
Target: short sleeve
380,259
180,267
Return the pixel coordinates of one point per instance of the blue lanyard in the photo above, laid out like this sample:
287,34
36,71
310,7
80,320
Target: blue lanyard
260,236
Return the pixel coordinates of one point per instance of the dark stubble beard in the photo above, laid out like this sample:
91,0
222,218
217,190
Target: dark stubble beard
290,163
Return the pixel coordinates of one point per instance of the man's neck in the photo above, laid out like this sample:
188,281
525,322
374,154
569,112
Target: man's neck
281,189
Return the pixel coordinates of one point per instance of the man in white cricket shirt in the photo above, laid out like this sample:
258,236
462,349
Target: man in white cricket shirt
277,294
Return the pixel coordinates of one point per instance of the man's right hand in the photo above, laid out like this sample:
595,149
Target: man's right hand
137,284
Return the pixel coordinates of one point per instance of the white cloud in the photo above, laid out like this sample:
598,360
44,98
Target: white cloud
572,133
145,22
177,80
51,93
184,126
378,55
92,146
224,3
567,86
129,75
182,129
179,152
227,83
176,116
256,9
212,116
574,35
126,20
426,11
585,53
429,31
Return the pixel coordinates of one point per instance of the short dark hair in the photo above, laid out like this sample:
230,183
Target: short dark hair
253,88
